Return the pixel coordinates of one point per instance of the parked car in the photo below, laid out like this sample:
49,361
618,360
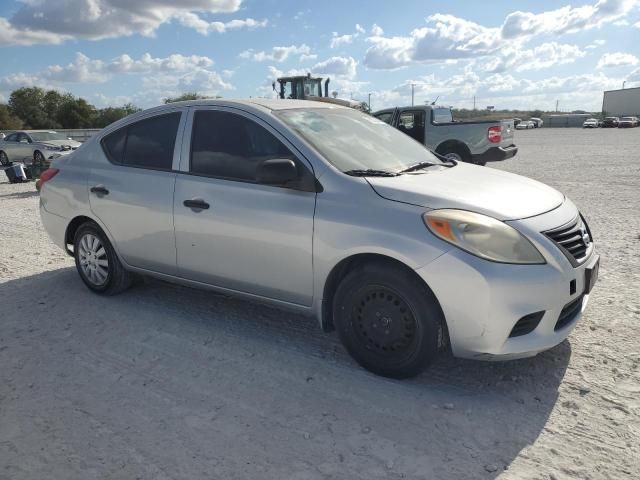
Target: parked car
330,212
537,122
28,146
610,122
516,121
628,122
476,142
591,123
525,125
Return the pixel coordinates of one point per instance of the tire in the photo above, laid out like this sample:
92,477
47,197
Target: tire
4,159
97,263
389,321
459,154
38,158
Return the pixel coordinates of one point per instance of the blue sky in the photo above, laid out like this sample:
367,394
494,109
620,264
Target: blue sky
508,54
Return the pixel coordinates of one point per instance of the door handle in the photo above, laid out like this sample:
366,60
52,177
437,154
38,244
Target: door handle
196,203
99,190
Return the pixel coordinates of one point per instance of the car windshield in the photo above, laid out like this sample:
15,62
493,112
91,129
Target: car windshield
611,118
352,140
46,136
627,119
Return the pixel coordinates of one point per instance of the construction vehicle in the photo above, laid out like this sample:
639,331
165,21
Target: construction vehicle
306,87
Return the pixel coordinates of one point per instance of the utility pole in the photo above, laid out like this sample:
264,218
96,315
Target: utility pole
623,83
557,102
474,102
369,103
412,93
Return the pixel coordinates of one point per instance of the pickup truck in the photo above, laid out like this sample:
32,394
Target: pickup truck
476,142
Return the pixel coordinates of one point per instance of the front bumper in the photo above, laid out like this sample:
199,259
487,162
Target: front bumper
496,154
482,301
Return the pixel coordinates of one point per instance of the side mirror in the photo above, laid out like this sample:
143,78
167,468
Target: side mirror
277,171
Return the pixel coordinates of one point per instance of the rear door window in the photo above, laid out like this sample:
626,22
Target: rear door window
150,142
442,115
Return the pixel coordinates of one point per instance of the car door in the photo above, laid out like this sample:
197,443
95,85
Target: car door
10,147
251,237
131,189
25,148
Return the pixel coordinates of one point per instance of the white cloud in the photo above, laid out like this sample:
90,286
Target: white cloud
502,90
340,66
194,21
278,54
337,40
566,19
595,44
449,37
376,30
40,21
542,56
617,59
159,74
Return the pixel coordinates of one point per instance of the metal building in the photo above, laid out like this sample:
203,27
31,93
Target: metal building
621,103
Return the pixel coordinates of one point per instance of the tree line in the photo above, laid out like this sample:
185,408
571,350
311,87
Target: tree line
36,108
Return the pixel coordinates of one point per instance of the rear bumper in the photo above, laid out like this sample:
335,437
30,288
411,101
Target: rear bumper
496,154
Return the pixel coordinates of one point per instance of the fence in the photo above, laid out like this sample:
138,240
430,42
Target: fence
77,134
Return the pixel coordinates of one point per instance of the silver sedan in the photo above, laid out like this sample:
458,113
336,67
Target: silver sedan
329,212
29,146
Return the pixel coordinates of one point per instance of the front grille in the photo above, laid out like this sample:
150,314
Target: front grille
574,240
569,313
526,324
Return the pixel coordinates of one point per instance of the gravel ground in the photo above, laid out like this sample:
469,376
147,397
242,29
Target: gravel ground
166,382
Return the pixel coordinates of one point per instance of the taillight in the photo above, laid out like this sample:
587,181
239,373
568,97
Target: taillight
45,176
494,134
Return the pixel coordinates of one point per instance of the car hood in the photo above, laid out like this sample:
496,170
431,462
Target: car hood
499,194
61,143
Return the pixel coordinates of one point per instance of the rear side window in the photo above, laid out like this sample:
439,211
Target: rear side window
228,145
113,145
148,143
442,115
12,138
385,117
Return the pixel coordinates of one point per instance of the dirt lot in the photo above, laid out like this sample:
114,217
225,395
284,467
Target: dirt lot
165,382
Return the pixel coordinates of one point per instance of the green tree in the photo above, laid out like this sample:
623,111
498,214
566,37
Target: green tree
187,96
8,121
27,103
74,112
108,115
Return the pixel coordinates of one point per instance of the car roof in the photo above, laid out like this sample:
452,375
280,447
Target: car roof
271,104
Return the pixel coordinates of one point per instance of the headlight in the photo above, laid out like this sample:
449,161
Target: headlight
52,147
482,236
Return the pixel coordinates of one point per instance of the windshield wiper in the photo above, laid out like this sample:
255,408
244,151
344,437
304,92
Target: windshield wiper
370,172
446,162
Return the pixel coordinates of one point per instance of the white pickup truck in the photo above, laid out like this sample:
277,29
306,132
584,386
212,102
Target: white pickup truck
476,142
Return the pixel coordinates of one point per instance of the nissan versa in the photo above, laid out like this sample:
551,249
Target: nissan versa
333,213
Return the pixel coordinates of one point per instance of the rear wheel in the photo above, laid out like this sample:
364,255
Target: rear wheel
97,262
388,321
4,160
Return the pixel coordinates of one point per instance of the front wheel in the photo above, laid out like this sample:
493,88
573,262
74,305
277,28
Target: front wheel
97,262
388,321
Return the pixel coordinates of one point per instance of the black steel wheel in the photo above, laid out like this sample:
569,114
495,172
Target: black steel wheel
388,320
383,322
